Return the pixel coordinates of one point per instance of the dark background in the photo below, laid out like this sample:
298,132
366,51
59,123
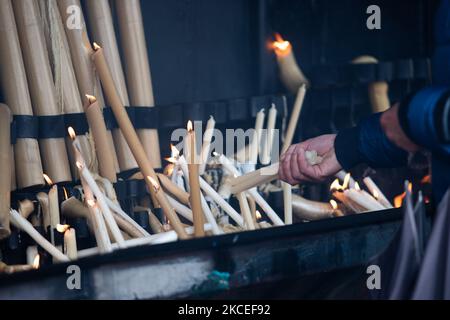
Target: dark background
216,49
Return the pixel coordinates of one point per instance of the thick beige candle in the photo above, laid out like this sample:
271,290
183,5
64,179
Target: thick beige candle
68,94
99,15
40,81
81,51
137,70
290,73
15,89
194,182
133,141
5,170
99,132
287,200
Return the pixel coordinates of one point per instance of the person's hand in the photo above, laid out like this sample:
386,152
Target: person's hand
294,168
391,127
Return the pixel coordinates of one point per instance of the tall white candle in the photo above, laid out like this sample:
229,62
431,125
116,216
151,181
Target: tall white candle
256,142
270,133
206,147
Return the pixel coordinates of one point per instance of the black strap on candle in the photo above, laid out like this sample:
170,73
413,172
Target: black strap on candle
25,127
78,122
51,127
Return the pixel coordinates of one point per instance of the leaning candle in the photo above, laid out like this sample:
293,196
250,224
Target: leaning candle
245,211
295,116
99,132
376,192
5,171
99,227
363,199
70,244
165,205
194,184
133,140
206,147
226,163
19,222
109,218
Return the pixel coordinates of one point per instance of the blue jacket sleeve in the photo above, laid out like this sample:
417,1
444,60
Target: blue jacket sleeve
425,118
367,143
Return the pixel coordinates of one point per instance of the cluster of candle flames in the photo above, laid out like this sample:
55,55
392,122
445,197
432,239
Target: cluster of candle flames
398,200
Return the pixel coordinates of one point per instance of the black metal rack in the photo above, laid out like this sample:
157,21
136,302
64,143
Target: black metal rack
221,265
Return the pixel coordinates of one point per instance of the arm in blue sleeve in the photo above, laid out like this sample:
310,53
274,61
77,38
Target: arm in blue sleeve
367,143
425,118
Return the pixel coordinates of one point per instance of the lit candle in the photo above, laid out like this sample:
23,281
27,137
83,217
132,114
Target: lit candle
337,211
133,141
376,192
206,147
5,170
290,73
363,199
181,161
100,134
194,183
270,132
53,202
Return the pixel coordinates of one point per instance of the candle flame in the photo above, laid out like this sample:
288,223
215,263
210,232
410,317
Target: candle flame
346,181
336,186
398,200
334,204
48,180
91,99
426,179
36,261
281,47
91,202
66,194
96,46
72,133
258,215
357,187
190,126
61,228
376,195
154,183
